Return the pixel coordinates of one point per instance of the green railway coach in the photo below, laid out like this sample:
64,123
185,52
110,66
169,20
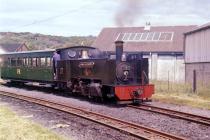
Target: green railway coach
33,66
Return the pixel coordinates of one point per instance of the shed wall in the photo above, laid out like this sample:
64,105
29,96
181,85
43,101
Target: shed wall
202,73
166,68
197,47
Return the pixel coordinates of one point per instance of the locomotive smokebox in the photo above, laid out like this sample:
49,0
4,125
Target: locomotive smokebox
119,50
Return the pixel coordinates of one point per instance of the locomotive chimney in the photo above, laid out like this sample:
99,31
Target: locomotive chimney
119,50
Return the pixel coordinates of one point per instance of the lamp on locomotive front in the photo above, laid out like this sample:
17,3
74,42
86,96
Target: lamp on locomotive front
119,50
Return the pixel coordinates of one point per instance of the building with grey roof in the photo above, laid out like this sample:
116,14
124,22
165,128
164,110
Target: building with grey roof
163,45
17,47
14,47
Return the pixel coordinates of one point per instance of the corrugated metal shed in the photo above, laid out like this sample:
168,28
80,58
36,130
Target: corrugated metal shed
197,44
157,39
198,28
197,55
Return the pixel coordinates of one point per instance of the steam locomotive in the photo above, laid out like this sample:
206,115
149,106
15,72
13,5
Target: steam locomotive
84,71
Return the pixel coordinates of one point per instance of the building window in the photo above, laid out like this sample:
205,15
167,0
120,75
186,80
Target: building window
150,36
132,36
126,37
165,36
120,36
146,37
138,36
156,36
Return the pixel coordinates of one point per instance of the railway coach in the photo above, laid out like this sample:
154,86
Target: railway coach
29,66
85,71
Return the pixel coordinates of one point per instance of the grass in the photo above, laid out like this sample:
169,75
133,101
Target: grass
12,127
182,94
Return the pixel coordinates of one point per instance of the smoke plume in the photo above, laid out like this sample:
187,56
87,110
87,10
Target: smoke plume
128,12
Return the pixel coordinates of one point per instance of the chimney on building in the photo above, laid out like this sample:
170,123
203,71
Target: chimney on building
147,26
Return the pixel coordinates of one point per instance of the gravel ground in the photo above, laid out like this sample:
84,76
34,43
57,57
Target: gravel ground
179,127
69,126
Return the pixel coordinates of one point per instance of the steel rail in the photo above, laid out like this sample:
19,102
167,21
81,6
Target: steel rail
135,130
175,114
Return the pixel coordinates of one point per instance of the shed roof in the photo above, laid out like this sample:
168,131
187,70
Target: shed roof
199,28
11,47
157,39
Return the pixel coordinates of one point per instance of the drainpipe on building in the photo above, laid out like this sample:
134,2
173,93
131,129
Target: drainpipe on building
194,81
151,65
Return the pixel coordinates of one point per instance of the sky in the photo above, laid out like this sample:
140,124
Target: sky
89,17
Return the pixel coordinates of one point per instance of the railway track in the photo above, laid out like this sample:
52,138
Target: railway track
175,114
135,130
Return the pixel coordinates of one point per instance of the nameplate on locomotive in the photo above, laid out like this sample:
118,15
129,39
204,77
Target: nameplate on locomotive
86,64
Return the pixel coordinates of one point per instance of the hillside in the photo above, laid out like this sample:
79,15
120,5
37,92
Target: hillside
40,41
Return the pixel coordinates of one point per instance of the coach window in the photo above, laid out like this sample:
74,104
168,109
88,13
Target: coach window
42,61
49,61
19,62
13,62
3,62
24,62
29,62
8,62
34,62
38,62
